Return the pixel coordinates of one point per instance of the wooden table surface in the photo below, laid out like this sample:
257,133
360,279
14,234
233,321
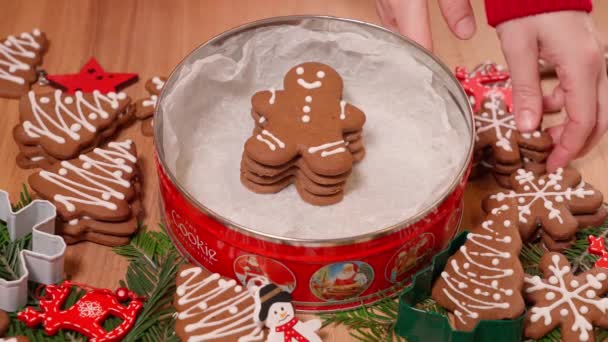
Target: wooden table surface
150,37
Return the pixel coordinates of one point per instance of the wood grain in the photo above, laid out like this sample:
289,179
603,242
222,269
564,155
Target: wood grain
151,36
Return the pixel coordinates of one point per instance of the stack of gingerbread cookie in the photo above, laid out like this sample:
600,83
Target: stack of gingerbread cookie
97,194
59,126
305,135
144,108
499,146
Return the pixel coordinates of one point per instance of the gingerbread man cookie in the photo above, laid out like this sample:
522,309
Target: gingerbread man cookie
307,119
19,56
144,108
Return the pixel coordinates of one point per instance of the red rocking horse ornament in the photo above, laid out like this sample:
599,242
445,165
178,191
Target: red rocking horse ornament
87,315
597,247
485,79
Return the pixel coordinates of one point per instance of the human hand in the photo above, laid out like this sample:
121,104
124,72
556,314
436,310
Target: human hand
411,18
569,41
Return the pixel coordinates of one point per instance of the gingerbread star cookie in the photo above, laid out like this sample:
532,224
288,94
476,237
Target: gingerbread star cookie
573,303
551,202
19,57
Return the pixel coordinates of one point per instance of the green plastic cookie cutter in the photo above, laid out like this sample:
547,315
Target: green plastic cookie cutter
421,326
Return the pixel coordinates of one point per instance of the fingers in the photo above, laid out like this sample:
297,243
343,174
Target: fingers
554,103
602,113
579,77
408,17
459,16
520,48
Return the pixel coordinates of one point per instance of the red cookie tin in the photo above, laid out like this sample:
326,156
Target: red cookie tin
322,275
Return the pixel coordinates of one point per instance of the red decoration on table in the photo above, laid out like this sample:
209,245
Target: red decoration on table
597,246
483,80
87,315
91,77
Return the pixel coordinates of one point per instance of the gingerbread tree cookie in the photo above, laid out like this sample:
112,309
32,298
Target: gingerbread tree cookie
551,201
574,303
19,56
213,308
144,108
483,280
308,119
98,185
63,125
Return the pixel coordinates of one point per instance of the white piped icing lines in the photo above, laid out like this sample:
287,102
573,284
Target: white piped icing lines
575,302
484,277
214,308
497,119
324,148
13,51
271,141
63,121
99,178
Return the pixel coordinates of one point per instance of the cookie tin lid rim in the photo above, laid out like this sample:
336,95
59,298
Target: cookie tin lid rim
457,95
439,325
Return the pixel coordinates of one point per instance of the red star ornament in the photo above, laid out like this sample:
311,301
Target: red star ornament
91,77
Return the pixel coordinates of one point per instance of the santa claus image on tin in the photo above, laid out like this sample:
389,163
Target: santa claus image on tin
247,267
410,256
341,281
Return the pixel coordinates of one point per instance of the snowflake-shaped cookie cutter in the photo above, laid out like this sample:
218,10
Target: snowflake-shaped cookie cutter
44,262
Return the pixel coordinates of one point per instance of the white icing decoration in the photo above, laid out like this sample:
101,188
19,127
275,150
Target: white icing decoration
307,85
44,99
112,159
36,158
158,82
571,298
305,118
342,113
334,151
315,149
273,94
306,109
150,102
261,119
496,120
474,251
300,71
43,121
320,74
221,319
12,53
535,191
270,143
308,99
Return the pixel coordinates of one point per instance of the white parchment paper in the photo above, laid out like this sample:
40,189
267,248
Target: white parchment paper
415,143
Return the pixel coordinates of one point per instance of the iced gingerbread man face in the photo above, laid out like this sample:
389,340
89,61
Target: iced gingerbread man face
307,119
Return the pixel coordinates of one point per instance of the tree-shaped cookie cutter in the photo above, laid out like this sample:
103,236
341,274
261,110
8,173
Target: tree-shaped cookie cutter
417,325
44,262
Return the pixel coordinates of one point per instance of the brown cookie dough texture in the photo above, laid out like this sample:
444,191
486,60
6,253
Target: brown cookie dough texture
4,324
484,278
573,303
144,108
304,135
97,195
19,57
213,308
60,126
557,203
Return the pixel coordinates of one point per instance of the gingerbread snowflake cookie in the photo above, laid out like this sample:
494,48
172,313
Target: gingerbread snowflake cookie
213,308
307,121
62,126
97,195
560,299
551,202
484,278
19,57
144,108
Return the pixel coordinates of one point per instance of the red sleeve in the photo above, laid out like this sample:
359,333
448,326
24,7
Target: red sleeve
499,11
